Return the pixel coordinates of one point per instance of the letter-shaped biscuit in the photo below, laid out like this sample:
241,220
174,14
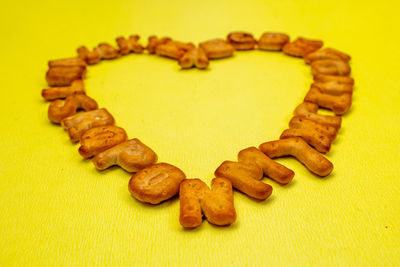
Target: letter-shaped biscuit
67,62
244,179
326,53
320,142
53,93
217,204
301,47
169,50
181,45
299,149
90,57
273,41
173,49
241,40
107,51
156,183
333,87
217,48
299,122
330,67
327,78
60,109
154,42
309,111
272,169
338,104
194,57
127,46
63,76
131,155
78,124
99,139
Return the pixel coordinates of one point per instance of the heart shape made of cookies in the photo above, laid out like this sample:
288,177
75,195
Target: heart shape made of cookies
308,137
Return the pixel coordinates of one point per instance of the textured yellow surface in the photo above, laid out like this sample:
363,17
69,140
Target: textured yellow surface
56,209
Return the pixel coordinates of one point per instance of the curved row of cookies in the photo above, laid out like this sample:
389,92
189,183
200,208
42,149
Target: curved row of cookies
309,133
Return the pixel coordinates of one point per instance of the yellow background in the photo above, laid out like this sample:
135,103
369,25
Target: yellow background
56,209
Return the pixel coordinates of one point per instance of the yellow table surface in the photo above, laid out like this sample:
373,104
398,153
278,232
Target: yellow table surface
56,209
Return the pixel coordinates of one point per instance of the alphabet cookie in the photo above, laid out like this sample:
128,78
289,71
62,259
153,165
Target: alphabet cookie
154,42
67,62
320,142
244,177
99,139
129,45
131,155
301,47
173,49
217,48
273,41
194,57
339,104
272,169
333,87
53,93
299,122
60,109
326,53
299,149
90,57
241,40
77,124
63,76
327,78
309,111
156,183
196,198
330,67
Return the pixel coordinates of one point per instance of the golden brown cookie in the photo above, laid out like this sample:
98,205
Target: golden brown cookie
154,42
67,62
244,177
328,78
339,104
173,49
320,142
129,45
194,57
78,124
217,48
60,109
299,122
309,111
107,51
301,47
90,57
156,183
241,40
272,169
190,193
63,76
131,155
326,53
53,93
330,67
99,139
196,198
298,148
333,87
273,41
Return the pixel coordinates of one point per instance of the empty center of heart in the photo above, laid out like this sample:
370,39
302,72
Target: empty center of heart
201,117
